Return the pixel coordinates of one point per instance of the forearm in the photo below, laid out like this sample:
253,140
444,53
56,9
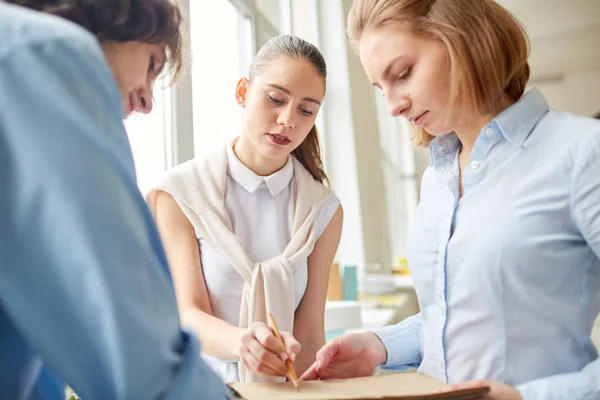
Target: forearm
311,343
219,338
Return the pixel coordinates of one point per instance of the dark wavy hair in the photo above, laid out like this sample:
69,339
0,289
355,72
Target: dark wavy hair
148,21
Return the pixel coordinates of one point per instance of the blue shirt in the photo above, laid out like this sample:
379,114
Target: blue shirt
508,276
84,283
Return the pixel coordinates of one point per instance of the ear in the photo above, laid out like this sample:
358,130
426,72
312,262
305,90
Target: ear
241,91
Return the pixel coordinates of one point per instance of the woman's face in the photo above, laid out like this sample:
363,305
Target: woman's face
135,67
281,105
413,74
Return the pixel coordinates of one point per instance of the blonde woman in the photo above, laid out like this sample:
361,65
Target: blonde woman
505,246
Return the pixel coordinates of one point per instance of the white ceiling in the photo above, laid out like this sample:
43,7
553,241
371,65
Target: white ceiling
565,35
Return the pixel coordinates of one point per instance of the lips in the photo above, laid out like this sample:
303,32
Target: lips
278,139
418,120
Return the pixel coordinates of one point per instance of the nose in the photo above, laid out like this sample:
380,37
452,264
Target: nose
144,100
286,118
397,104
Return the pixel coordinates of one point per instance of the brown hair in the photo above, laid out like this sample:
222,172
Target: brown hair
149,21
487,46
309,151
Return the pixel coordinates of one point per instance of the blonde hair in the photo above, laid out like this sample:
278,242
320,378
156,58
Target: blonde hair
487,46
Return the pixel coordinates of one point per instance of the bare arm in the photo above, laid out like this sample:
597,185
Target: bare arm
309,323
219,338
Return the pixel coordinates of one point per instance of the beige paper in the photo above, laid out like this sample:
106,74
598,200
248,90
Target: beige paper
402,386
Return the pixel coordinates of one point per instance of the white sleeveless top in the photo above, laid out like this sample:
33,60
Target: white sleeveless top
261,210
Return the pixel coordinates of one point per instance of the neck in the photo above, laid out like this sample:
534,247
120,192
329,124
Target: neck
248,155
469,128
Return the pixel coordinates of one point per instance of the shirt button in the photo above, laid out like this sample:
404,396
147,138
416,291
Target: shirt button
474,164
489,132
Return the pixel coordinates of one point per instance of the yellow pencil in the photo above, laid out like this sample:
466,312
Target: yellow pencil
288,362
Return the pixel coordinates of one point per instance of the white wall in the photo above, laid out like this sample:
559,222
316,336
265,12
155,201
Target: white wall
579,93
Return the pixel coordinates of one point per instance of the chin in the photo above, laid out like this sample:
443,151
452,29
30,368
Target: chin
273,154
271,150
267,151
437,131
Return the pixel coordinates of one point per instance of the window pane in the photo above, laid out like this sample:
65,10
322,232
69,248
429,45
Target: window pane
399,176
148,135
221,44
275,11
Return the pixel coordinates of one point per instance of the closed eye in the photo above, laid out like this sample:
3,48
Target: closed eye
405,75
306,112
151,65
274,100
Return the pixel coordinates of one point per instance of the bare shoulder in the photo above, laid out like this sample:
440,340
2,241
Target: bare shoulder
166,210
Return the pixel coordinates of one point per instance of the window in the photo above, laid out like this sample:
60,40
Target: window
398,167
150,137
221,47
276,13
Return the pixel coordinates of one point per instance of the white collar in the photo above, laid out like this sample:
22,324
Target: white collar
276,182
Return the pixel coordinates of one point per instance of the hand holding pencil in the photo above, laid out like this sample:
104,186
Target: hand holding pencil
264,352
288,363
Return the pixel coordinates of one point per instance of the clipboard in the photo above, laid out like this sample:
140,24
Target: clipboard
400,386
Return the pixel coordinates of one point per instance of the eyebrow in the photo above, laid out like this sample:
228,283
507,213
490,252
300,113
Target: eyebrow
286,91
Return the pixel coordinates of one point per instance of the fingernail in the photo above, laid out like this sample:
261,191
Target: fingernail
284,356
319,363
292,357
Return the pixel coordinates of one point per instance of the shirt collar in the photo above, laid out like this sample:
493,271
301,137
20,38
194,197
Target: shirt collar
251,182
515,124
518,120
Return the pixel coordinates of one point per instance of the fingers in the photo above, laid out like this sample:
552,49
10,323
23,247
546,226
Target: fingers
267,339
258,358
326,354
264,353
324,357
253,363
292,346
311,373
465,385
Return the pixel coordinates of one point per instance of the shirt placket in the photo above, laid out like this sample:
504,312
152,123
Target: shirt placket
450,178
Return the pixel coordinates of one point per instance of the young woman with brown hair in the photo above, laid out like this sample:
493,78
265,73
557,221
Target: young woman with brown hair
251,228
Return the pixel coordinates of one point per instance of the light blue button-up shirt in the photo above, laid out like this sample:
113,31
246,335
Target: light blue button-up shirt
84,283
508,276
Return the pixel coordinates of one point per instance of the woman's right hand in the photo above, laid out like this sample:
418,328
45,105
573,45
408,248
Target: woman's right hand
260,350
348,356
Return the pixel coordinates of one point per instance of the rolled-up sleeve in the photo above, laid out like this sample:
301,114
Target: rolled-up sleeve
402,342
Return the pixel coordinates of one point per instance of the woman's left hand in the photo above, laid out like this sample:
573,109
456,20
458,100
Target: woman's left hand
498,391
